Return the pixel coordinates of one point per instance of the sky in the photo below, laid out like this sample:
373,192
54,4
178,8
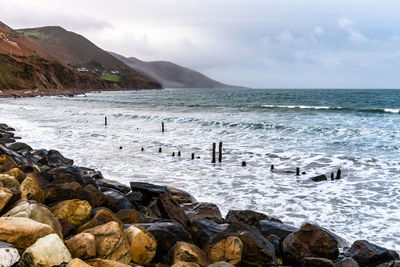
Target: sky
254,43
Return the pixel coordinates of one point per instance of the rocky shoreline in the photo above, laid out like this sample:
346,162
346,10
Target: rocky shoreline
54,213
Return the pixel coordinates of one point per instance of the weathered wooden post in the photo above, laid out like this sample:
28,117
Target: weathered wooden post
213,153
105,121
332,176
220,152
192,156
142,149
338,174
173,154
272,167
297,171
179,153
162,127
244,163
159,150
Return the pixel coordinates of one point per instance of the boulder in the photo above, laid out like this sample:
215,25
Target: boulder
257,250
203,210
8,254
22,232
8,180
309,241
248,216
46,251
124,189
166,234
5,196
181,196
202,231
317,262
96,198
82,246
17,174
148,189
319,178
68,228
347,262
228,249
106,263
76,211
37,212
267,228
59,192
170,209
118,199
30,189
128,216
19,147
102,217
66,174
56,159
7,163
367,254
395,263
77,263
185,264
188,252
143,245
111,243
221,264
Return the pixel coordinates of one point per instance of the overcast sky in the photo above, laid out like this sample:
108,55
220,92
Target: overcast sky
256,43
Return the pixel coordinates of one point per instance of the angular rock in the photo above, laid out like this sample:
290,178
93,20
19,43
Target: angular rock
309,241
77,263
185,264
111,243
124,189
67,174
203,210
347,262
17,174
30,189
257,250
7,163
128,216
229,250
22,232
102,217
148,189
96,198
188,252
267,228
8,180
203,231
8,254
106,263
248,216
56,159
118,199
5,196
59,192
319,178
166,234
76,211
181,196
19,147
317,262
82,246
37,212
143,245
170,209
390,264
46,251
221,264
367,254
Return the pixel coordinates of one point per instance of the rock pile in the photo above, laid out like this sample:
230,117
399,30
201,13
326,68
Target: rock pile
54,213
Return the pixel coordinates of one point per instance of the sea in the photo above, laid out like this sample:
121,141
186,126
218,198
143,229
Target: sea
318,131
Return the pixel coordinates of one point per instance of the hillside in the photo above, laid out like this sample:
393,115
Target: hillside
171,75
78,52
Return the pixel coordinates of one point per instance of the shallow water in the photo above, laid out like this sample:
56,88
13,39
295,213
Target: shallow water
316,130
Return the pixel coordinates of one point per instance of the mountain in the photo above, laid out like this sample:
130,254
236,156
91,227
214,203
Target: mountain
171,75
24,65
79,53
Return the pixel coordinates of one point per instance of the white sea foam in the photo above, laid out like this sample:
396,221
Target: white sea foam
298,107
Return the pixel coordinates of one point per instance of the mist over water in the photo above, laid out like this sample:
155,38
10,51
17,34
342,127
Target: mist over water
319,131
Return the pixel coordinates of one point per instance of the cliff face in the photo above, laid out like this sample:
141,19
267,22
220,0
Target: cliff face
25,64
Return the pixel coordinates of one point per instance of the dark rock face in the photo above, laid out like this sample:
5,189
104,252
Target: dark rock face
170,209
118,199
309,241
317,262
390,264
203,231
66,174
203,210
347,262
367,254
269,227
148,189
19,146
96,198
248,216
114,185
180,195
167,234
319,178
257,250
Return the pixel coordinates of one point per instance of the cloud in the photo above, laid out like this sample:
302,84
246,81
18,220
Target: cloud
354,35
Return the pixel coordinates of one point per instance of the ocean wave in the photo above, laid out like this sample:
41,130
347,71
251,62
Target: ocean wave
372,110
299,107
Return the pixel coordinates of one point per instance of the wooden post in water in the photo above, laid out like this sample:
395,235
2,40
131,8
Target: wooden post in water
173,154
338,174
272,167
105,121
332,176
162,127
213,153
179,153
220,152
142,149
244,163
159,150
192,155
297,171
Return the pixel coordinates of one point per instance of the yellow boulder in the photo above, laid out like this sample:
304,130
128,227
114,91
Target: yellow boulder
143,245
74,210
228,249
17,174
30,189
188,252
